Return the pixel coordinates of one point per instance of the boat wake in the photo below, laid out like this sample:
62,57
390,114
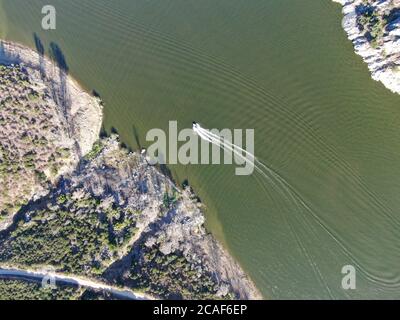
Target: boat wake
270,179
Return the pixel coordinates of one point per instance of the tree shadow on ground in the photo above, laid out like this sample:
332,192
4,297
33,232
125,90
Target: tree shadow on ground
58,85
7,57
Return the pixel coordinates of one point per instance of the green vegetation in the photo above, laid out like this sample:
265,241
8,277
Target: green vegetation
97,295
31,138
169,200
75,232
24,290
97,148
171,276
371,22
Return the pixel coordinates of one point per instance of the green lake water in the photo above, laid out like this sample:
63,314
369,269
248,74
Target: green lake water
282,67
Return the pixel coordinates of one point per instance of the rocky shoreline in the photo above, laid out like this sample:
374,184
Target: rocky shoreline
374,28
106,213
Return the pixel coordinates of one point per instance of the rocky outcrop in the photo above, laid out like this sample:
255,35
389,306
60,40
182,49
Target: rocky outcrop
374,28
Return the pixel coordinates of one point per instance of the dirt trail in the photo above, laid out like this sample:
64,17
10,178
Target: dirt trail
37,275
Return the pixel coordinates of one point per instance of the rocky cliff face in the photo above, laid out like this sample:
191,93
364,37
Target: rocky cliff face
374,28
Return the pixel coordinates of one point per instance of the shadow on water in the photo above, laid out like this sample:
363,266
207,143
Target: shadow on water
40,50
58,56
103,132
38,44
58,87
167,172
96,94
126,147
2,50
114,130
136,137
185,184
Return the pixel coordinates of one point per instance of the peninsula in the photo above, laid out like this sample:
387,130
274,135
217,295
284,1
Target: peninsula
88,208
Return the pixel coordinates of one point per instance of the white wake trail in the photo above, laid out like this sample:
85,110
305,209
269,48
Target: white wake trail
226,145
289,193
222,141
280,183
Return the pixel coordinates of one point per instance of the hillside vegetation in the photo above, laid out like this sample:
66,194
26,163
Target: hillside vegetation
34,143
